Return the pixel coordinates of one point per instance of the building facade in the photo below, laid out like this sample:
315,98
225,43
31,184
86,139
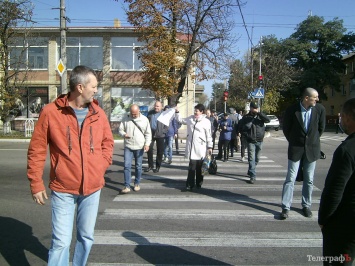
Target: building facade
335,100
110,51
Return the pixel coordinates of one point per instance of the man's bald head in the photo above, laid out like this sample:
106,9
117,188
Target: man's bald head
134,110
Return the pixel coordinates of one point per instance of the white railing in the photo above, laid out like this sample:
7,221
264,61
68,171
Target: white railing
29,127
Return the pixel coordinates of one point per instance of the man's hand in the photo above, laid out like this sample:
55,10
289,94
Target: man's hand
146,148
39,197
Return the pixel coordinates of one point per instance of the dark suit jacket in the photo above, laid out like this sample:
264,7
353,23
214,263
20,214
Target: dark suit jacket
300,141
337,205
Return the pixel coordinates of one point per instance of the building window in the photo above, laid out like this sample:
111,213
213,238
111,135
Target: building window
31,53
98,96
31,102
124,53
87,51
122,98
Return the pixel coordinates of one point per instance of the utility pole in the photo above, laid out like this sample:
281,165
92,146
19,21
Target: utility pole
63,47
260,52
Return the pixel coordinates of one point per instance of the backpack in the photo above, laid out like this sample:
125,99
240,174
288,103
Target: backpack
213,166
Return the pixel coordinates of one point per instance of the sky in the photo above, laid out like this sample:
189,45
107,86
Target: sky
261,17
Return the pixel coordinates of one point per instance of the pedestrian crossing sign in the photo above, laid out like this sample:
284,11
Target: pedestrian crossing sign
259,93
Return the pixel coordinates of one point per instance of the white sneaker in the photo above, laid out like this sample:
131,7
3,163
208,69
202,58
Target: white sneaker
243,159
125,190
136,188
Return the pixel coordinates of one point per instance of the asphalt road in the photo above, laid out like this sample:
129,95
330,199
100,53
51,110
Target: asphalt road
227,222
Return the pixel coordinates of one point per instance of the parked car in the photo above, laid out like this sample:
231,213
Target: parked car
274,123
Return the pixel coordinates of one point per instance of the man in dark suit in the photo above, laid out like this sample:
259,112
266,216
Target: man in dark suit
336,216
303,124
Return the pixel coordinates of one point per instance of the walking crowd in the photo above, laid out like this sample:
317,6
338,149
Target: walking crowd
80,143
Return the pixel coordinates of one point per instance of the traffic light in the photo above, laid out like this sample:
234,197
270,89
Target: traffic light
261,83
225,96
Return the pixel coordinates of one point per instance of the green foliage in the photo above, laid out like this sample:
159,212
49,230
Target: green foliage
310,57
315,50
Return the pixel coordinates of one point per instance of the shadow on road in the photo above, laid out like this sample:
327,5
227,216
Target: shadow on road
16,237
158,254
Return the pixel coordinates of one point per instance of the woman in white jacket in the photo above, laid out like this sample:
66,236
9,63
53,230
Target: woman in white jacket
198,141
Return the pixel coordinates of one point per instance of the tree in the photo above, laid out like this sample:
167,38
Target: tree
278,75
181,35
315,50
203,98
13,14
239,83
217,92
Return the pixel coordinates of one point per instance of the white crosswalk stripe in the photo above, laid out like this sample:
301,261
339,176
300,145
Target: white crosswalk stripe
220,215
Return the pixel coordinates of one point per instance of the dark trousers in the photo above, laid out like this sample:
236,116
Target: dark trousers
177,144
338,128
231,147
160,152
338,243
223,147
195,169
213,139
243,146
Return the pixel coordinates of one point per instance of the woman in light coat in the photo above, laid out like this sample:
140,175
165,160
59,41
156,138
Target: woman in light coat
198,142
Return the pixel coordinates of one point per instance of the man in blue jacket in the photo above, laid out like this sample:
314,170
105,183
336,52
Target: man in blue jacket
169,138
252,127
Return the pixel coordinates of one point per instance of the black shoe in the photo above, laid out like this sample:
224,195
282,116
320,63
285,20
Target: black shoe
307,212
224,160
218,158
252,180
284,214
156,170
189,188
148,169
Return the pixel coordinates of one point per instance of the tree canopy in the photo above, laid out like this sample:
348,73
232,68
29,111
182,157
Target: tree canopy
310,57
181,35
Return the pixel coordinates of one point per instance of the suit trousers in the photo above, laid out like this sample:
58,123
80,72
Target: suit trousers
160,152
195,169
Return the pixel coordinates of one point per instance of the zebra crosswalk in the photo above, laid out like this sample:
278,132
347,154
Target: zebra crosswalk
226,222
324,138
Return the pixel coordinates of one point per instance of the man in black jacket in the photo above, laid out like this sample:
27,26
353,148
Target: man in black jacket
252,127
336,216
303,124
159,131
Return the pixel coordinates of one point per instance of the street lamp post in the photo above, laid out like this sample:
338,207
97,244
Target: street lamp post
215,102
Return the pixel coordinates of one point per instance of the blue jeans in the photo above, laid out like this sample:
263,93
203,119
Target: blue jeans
63,213
307,188
168,150
254,152
128,158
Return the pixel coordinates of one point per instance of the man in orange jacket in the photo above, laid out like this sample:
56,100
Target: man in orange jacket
81,147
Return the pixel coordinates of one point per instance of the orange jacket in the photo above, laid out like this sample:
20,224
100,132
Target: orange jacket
78,157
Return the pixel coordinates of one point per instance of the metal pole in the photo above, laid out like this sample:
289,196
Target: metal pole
63,47
261,42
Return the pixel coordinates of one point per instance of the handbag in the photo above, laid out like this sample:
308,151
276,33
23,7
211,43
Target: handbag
134,122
